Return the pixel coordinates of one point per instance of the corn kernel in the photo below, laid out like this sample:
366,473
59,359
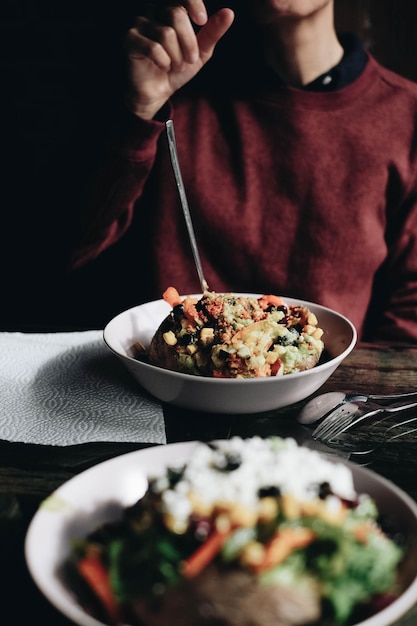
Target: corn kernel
206,336
271,357
170,338
309,330
252,553
268,509
198,506
318,333
223,523
290,506
179,527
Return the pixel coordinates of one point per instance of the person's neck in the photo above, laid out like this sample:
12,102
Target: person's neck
302,50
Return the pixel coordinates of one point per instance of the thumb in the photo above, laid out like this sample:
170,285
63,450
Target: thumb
213,31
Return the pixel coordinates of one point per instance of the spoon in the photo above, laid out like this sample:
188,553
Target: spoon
184,203
318,407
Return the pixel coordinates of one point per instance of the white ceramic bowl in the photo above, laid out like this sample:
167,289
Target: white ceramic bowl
222,395
99,494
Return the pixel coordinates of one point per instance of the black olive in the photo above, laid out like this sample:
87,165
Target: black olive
281,307
178,312
201,308
269,492
230,462
174,475
186,339
234,460
324,490
284,341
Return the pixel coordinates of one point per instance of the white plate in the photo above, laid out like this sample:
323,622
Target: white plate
100,493
225,395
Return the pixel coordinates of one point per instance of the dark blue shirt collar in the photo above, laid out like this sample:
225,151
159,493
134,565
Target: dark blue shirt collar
350,67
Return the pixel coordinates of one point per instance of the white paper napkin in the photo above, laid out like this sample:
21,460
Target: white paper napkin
67,388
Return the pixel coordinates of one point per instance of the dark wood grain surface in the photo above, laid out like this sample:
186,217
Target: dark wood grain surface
29,473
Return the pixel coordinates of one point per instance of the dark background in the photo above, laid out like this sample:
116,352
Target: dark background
61,70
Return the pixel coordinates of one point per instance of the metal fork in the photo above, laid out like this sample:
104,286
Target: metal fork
365,454
351,414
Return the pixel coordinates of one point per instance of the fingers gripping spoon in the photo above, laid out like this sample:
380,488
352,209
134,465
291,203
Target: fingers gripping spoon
184,203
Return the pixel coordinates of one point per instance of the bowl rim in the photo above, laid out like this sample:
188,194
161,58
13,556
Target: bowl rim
144,460
236,381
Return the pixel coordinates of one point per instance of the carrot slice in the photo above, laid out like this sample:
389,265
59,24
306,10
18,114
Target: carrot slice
95,574
189,308
266,301
172,296
204,554
363,531
282,544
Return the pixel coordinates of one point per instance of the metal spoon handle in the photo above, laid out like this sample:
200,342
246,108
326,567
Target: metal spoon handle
181,189
393,396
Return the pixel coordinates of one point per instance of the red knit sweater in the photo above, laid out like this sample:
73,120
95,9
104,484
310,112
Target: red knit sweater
302,194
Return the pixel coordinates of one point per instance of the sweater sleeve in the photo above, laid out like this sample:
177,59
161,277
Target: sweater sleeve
393,316
116,185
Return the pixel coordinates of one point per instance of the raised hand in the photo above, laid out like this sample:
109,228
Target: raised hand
165,52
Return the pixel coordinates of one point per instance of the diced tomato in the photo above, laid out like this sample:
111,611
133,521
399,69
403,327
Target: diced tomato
217,374
275,367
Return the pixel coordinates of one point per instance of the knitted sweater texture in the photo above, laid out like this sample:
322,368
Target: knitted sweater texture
301,194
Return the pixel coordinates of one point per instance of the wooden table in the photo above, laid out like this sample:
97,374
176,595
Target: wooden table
28,474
